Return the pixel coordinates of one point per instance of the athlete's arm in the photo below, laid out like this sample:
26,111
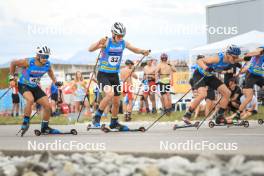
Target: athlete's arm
51,75
157,73
99,44
137,50
17,63
204,61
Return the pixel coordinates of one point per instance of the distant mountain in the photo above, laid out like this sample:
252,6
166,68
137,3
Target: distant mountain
85,57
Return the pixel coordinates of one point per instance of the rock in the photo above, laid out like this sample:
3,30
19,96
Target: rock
149,170
210,160
177,163
214,171
10,170
90,160
77,158
107,167
38,168
235,162
30,174
61,157
126,171
45,157
96,172
253,167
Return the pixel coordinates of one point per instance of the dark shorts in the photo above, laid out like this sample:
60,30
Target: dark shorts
15,98
164,88
54,97
210,94
37,92
211,81
251,80
233,108
110,79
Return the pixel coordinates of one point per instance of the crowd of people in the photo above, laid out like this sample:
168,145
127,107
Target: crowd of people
112,81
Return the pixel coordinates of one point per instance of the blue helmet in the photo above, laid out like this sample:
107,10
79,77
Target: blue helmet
234,50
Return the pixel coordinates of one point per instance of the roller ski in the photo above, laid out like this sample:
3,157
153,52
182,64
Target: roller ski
196,124
95,127
115,126
221,121
50,131
107,130
260,121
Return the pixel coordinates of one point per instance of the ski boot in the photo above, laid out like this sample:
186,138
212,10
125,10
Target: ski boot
48,130
25,126
116,125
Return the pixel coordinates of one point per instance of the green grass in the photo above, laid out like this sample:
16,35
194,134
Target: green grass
64,120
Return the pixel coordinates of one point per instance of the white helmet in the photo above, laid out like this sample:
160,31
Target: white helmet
43,50
118,29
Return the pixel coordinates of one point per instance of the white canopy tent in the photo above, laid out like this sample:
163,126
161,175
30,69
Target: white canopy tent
247,41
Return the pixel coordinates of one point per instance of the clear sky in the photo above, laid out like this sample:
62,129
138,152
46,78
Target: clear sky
68,26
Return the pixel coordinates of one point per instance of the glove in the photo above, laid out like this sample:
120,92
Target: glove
209,69
247,58
58,83
11,77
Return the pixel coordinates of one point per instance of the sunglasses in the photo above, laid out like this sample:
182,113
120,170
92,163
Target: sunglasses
119,36
43,56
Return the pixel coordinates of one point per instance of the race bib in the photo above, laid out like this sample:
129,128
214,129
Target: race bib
113,60
33,80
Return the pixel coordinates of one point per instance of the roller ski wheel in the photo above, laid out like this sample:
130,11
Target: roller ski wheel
260,121
142,129
245,124
106,130
74,132
175,127
211,124
37,132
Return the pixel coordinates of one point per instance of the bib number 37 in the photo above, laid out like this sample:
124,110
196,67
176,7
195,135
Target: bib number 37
113,60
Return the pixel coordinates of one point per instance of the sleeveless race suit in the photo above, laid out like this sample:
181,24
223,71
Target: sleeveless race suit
31,76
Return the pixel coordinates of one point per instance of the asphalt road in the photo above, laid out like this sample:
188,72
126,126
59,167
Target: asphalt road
159,139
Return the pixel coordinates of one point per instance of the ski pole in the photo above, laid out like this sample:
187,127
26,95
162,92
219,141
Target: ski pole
94,70
5,93
208,115
136,66
175,104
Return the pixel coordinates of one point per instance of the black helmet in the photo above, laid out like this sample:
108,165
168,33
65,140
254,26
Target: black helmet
129,62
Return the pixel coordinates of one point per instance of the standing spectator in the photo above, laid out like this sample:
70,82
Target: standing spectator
15,97
54,99
79,87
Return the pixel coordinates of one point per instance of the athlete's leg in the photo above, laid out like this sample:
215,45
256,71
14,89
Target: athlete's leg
201,94
225,94
44,102
28,96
